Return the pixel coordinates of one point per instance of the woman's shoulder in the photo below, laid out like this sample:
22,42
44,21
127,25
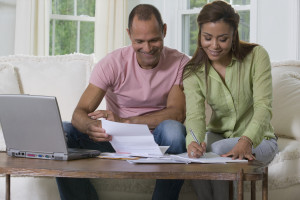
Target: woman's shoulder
257,53
194,76
194,70
259,50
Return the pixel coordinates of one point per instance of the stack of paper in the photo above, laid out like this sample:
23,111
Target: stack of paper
210,157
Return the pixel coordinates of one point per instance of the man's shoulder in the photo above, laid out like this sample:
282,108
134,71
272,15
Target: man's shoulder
123,52
175,55
119,55
172,51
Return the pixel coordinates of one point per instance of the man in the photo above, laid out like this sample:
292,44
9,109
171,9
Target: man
142,84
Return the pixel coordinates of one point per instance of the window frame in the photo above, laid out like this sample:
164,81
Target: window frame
78,19
182,31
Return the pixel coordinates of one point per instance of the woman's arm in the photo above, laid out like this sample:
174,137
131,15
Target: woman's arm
195,114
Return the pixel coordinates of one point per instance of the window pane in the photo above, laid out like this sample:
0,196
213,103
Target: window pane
200,3
87,37
241,2
196,3
65,37
63,7
86,7
190,34
244,26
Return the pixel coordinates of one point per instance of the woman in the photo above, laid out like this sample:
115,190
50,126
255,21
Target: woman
234,78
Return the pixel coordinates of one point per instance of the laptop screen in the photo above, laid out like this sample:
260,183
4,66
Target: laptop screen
32,123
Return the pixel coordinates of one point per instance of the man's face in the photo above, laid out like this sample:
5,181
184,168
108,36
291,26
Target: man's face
147,41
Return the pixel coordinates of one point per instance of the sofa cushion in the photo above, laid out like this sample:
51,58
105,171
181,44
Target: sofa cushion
8,85
64,77
286,93
8,79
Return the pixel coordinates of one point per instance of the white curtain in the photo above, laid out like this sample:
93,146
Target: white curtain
32,27
110,26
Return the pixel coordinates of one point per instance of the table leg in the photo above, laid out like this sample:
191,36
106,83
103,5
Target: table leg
265,184
231,190
241,185
7,177
253,190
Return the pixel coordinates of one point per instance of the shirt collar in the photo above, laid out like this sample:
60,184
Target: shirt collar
233,60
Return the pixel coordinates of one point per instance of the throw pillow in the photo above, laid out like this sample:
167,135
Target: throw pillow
286,93
8,85
8,80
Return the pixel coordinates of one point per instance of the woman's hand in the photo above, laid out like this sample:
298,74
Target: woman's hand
195,150
243,149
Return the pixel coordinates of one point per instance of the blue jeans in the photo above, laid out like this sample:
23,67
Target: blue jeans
167,133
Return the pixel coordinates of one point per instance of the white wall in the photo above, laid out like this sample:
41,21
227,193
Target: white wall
7,26
278,28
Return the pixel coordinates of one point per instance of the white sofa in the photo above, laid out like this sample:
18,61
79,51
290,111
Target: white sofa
66,78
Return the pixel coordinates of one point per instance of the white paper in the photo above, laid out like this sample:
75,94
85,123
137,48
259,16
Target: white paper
210,157
133,139
164,159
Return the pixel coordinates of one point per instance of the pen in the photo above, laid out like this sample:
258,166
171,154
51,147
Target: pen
193,134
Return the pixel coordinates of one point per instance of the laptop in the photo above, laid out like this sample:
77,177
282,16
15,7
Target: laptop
32,128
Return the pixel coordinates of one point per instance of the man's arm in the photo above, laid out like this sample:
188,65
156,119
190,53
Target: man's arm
89,101
175,110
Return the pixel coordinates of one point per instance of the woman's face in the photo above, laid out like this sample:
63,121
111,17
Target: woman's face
216,41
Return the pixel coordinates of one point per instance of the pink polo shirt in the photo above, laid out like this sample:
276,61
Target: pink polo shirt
133,91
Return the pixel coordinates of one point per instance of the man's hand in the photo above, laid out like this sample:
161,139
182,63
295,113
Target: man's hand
96,133
243,149
107,114
195,150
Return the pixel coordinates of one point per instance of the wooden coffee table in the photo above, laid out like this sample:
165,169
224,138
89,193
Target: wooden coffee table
120,169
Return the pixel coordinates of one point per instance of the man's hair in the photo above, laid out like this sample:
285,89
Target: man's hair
144,12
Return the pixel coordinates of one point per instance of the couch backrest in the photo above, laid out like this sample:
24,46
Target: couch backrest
286,98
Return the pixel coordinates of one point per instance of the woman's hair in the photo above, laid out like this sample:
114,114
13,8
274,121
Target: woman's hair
214,12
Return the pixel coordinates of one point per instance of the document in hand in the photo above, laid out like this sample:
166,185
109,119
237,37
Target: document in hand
134,139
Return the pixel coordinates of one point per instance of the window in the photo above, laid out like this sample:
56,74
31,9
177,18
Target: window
189,26
72,25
